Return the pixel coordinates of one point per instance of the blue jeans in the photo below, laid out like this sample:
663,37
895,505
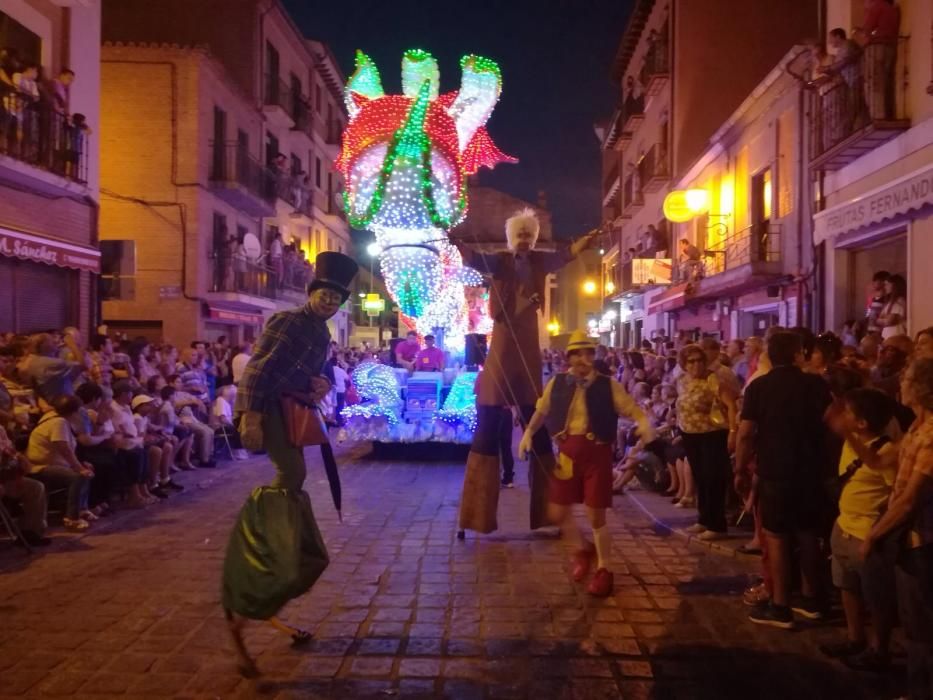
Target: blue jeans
55,477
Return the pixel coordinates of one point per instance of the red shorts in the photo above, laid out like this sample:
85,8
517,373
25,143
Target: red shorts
591,483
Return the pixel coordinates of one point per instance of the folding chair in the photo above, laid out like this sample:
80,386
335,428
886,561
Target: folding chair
221,436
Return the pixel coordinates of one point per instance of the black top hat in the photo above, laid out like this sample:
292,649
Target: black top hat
334,271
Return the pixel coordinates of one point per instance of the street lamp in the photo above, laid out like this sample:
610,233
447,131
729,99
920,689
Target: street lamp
589,288
553,327
610,287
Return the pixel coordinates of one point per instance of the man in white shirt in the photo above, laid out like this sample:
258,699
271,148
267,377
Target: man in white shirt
341,378
238,364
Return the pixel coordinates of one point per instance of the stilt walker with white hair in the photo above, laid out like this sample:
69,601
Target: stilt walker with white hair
511,375
581,409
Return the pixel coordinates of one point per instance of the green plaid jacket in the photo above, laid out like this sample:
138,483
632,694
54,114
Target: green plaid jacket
291,350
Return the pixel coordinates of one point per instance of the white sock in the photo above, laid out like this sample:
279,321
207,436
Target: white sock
603,542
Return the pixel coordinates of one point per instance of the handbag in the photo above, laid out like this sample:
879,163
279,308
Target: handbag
304,422
716,415
835,484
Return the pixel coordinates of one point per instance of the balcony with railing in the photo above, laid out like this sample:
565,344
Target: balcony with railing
241,180
303,116
32,133
611,182
655,71
633,114
655,171
280,101
735,260
633,199
856,107
235,277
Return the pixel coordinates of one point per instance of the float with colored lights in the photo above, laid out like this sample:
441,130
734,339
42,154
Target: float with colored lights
405,160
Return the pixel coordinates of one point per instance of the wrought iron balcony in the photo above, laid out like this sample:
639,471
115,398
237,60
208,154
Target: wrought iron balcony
633,198
280,101
654,169
856,107
655,72
241,180
34,133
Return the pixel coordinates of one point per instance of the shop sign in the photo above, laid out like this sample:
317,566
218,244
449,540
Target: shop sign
894,199
170,292
651,271
24,246
235,316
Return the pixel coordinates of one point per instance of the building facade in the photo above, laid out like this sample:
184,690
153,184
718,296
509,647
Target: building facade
577,299
872,170
218,177
677,85
49,166
751,226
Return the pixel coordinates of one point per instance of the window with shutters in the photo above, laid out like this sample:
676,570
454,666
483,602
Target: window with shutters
118,270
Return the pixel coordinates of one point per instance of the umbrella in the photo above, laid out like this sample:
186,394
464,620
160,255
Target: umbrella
333,477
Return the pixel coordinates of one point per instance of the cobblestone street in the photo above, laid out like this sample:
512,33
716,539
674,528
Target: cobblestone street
405,609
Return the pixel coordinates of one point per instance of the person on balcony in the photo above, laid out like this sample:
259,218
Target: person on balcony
634,97
847,67
879,33
239,264
277,260
691,267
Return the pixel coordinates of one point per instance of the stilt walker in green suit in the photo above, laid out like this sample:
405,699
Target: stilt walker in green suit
276,551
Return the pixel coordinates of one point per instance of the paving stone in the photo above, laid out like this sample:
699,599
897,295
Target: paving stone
375,646
424,668
369,666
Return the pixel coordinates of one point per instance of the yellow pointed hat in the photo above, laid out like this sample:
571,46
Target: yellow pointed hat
579,340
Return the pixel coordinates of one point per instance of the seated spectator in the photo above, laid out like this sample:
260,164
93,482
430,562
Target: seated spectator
223,420
165,420
160,448
53,461
94,433
867,470
192,375
192,414
130,446
16,485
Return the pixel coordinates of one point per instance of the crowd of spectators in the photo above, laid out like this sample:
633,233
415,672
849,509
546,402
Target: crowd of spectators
86,427
826,442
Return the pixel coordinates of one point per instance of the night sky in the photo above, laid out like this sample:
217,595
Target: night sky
555,57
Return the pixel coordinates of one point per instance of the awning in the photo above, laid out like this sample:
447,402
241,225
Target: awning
25,246
234,316
670,299
912,191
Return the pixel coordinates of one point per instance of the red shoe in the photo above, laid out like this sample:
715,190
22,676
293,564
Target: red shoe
602,583
582,559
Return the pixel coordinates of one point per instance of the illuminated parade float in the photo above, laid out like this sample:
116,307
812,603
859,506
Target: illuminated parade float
405,160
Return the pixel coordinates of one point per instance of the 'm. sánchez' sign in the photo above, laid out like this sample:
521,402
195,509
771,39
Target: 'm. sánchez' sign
892,200
16,244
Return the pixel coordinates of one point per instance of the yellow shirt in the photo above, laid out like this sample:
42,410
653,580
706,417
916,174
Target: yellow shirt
866,493
578,419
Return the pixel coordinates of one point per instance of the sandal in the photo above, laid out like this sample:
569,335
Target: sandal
75,525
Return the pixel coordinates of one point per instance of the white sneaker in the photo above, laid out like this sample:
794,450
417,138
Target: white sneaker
240,454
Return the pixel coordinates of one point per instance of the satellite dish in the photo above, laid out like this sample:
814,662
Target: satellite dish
252,246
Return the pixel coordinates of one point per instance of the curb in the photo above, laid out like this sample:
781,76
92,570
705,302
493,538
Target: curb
690,537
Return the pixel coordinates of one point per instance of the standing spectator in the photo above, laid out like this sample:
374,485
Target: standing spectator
51,453
430,358
847,66
867,469
691,267
849,339
782,422
276,259
59,90
238,363
706,416
827,351
876,301
240,265
911,509
892,361
221,356
713,351
736,352
754,346
341,379
893,316
879,30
